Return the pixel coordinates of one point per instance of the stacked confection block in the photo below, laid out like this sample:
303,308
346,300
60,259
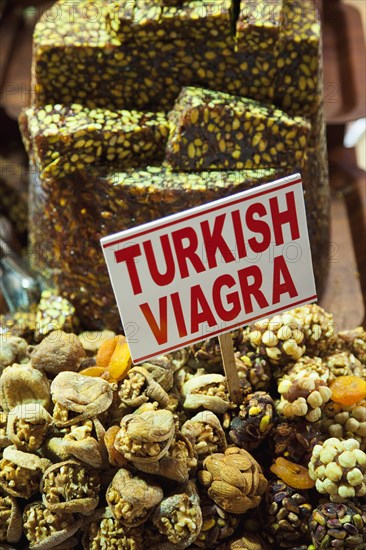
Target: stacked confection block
144,108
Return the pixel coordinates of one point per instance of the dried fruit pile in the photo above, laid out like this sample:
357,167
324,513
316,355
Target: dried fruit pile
98,453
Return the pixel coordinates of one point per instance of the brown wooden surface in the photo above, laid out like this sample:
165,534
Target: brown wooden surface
345,100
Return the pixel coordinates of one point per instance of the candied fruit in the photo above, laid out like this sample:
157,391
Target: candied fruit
348,390
294,475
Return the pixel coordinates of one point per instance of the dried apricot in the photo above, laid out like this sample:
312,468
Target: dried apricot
93,371
348,390
115,458
121,360
294,475
105,352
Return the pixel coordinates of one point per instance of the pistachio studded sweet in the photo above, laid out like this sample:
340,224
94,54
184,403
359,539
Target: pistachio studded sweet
118,193
338,468
234,480
131,498
286,512
45,529
337,525
218,131
54,313
66,139
254,421
280,338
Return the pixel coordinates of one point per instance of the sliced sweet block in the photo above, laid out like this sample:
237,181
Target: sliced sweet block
75,60
258,25
133,20
298,58
65,139
213,130
99,201
201,21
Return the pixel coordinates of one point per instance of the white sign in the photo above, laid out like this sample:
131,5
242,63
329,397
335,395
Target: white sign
211,269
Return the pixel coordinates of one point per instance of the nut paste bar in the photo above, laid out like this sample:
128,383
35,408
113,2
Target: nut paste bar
63,139
194,20
260,135
298,60
259,24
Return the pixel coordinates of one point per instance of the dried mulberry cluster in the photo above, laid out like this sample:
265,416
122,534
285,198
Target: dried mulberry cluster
99,453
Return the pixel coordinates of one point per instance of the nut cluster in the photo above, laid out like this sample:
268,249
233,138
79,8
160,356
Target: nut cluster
341,525
234,480
287,512
342,421
280,339
303,397
254,420
338,468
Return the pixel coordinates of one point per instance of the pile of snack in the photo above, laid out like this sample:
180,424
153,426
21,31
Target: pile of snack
98,453
144,108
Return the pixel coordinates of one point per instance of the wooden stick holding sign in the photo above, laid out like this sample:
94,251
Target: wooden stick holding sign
231,373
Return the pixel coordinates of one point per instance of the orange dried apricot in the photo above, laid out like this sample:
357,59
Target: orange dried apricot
105,352
92,371
115,458
292,474
348,390
121,360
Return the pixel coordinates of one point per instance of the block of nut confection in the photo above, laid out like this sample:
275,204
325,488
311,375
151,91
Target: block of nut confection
64,139
82,59
107,200
258,25
298,59
214,130
151,21
75,60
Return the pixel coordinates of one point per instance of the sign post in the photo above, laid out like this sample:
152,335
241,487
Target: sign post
211,269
